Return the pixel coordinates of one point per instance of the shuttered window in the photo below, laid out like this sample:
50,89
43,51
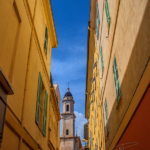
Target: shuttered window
106,109
41,106
116,79
101,59
46,40
97,21
107,13
39,91
45,114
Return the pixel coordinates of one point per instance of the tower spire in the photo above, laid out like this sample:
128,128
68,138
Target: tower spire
68,86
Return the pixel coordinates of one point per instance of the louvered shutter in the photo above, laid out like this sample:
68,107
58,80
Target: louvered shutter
107,13
102,59
45,114
106,110
116,79
46,40
39,90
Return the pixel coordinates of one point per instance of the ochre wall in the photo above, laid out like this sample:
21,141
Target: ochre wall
22,57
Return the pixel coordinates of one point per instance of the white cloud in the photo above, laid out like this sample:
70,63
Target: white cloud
70,69
80,121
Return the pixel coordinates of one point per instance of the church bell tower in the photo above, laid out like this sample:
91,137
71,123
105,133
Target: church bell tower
68,122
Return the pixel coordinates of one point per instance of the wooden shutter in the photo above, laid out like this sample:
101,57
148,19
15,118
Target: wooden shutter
116,79
45,114
107,13
39,90
106,110
46,40
118,90
102,59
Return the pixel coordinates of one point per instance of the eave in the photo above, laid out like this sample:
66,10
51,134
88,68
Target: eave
51,25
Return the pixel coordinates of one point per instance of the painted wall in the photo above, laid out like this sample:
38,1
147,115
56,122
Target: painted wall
22,34
94,107
126,48
127,41
68,144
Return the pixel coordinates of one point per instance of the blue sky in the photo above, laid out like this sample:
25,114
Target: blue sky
69,59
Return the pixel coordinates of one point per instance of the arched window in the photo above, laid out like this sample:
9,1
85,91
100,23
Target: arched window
67,107
67,132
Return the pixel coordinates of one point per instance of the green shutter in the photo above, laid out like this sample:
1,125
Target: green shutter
116,79
45,114
46,40
39,90
106,110
107,13
102,59
118,90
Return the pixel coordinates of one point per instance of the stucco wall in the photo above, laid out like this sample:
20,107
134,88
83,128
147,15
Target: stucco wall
68,144
130,43
68,123
22,33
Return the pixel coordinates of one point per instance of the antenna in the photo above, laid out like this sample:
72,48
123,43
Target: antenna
68,87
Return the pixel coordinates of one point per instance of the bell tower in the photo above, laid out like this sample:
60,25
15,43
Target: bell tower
68,122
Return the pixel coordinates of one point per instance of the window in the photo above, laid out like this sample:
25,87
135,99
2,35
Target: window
101,60
41,106
107,14
46,40
116,79
67,107
67,132
106,109
97,21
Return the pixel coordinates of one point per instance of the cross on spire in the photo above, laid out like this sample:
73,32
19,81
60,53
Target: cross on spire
68,85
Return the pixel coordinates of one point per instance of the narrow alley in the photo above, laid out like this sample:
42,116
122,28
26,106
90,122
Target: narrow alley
74,75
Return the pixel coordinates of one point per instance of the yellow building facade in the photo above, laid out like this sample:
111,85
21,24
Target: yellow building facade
119,41
54,126
28,103
94,108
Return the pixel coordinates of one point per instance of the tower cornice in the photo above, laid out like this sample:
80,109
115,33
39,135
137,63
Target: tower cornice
67,100
69,114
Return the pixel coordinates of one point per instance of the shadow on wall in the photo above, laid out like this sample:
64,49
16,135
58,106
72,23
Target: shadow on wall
135,69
